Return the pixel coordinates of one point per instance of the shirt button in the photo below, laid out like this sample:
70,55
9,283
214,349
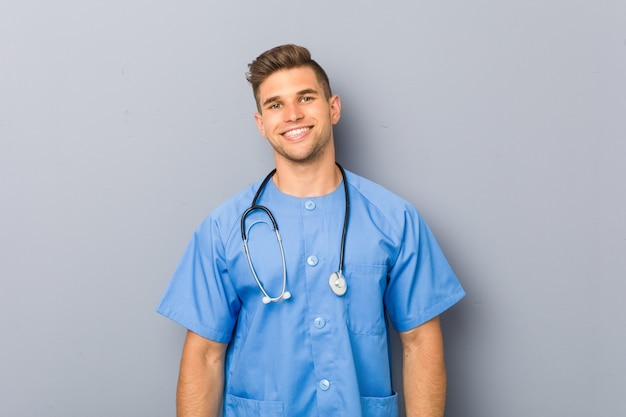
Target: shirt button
319,323
310,205
324,384
312,260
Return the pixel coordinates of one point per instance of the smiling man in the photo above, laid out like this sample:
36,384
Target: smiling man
285,288
296,116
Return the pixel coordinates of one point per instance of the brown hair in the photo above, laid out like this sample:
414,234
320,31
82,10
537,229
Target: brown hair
281,58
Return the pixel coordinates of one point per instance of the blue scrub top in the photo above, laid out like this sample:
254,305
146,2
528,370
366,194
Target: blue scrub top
315,354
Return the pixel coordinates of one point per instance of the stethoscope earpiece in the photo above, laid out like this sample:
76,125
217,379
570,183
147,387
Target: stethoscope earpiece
286,295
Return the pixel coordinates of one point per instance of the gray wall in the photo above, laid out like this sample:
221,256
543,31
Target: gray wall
123,123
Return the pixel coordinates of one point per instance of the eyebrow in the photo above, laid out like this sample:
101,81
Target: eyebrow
304,92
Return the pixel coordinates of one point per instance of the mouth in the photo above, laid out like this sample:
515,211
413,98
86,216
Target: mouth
296,133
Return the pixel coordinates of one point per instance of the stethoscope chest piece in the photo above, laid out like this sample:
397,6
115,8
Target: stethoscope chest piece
338,284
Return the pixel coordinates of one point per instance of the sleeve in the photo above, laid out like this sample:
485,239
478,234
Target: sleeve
421,284
200,296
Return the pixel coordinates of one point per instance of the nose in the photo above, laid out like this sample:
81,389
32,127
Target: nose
293,113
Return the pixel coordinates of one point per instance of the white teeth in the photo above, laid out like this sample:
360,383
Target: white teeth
295,132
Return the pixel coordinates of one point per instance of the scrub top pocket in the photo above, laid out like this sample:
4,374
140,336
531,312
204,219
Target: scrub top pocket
366,287
244,407
380,406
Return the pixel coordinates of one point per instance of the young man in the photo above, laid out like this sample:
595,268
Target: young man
284,288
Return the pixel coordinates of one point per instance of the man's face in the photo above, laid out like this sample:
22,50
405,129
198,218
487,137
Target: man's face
295,117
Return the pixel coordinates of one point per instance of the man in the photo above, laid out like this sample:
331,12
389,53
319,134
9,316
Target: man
284,289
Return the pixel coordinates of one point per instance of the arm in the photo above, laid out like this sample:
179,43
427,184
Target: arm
201,379
424,370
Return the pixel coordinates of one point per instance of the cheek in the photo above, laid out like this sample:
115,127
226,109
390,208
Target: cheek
269,125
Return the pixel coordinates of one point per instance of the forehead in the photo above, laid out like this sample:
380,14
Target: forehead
289,82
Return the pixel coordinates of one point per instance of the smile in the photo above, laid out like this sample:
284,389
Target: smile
296,132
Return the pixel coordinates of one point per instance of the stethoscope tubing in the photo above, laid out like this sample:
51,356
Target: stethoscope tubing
254,206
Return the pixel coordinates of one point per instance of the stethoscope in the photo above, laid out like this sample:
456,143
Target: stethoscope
336,281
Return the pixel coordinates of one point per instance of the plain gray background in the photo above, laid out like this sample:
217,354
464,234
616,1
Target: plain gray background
123,123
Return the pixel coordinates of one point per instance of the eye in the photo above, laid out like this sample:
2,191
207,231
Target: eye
306,99
274,106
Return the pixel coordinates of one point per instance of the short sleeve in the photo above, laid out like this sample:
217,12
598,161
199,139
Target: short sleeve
422,284
200,296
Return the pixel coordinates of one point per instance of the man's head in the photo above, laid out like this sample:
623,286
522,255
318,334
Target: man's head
281,58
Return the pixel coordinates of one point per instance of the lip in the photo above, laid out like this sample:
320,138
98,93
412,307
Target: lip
296,132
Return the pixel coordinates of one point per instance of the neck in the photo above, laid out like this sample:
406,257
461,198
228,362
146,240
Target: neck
307,181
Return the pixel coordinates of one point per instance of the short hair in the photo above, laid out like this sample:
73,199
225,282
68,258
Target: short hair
281,58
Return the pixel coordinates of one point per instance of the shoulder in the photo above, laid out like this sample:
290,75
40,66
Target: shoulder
224,219
372,189
391,206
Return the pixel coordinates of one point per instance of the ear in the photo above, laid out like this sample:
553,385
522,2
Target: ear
335,109
259,124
